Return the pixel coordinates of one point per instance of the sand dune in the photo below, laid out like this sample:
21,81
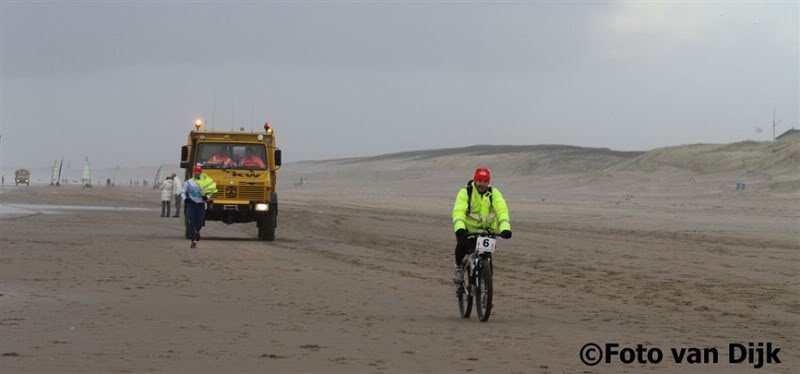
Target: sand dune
705,168
775,159
778,158
511,159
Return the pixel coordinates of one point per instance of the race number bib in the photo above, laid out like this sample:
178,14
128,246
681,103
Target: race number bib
485,244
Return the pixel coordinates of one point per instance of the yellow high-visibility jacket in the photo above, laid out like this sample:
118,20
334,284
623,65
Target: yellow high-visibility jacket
207,185
487,210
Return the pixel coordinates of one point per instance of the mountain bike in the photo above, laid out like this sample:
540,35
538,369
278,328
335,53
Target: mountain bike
476,277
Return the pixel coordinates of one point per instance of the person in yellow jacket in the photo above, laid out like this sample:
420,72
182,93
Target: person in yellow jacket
478,206
196,192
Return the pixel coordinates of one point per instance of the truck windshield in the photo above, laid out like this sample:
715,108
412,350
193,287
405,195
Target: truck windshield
232,156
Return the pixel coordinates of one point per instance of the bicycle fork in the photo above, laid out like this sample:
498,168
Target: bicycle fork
476,264
472,266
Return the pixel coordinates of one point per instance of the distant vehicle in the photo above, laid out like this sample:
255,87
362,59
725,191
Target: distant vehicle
22,176
243,164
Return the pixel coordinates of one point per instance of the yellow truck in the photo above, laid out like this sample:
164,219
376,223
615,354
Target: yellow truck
22,176
243,164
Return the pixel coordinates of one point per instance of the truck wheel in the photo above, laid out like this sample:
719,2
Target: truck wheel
273,203
266,225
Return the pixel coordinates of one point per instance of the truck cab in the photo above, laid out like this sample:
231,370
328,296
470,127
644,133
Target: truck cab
244,166
22,176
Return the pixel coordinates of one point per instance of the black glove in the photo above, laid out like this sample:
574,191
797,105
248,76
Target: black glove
461,233
505,234
205,198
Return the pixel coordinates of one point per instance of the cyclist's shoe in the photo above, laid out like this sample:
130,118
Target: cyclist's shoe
457,277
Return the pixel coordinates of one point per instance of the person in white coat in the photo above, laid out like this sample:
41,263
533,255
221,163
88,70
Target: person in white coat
166,196
177,189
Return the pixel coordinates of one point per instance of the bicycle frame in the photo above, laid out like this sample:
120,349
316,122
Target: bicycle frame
473,260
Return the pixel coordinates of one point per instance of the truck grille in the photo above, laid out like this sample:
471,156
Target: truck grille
252,192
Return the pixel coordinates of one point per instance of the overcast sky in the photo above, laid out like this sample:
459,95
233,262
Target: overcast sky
122,83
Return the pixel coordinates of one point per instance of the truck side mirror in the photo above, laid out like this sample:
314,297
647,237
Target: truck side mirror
277,157
184,157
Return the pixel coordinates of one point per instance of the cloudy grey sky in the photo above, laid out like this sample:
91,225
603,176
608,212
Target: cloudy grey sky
123,82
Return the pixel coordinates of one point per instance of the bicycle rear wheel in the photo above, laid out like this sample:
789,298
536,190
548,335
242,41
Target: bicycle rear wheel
483,292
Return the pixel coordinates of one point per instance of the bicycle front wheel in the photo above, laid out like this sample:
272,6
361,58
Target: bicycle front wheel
483,292
463,294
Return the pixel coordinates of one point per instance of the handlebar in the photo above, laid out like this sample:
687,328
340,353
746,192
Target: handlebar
488,233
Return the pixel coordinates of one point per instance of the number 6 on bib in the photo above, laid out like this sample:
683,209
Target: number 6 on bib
485,244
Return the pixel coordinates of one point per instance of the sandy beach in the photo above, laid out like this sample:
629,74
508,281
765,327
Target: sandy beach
359,280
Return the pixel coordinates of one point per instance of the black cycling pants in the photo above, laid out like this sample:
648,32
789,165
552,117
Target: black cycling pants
464,245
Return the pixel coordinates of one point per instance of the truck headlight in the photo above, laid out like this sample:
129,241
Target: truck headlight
262,207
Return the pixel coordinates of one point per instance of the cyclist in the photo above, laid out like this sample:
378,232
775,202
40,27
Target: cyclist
478,206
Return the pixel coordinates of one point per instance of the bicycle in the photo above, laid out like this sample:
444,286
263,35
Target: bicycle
476,277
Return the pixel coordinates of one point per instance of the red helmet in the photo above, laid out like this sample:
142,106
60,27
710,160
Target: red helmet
197,169
482,174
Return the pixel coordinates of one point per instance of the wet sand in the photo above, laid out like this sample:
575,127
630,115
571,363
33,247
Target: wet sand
361,283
